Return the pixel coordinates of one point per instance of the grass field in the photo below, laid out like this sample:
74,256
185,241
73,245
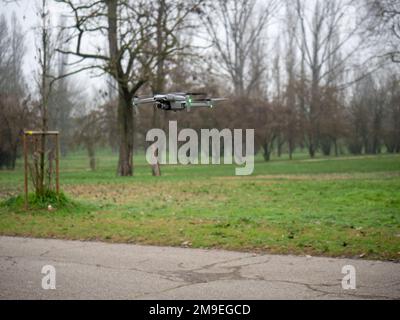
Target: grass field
346,206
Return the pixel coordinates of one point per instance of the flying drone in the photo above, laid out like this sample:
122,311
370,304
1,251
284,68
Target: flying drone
178,101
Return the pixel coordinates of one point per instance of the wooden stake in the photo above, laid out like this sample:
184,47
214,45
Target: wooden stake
26,172
57,165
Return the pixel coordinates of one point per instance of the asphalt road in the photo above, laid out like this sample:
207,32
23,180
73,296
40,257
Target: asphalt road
93,270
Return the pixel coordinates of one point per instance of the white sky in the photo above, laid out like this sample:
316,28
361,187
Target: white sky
26,12
89,86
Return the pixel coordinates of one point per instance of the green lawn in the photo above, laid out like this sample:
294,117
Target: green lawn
346,206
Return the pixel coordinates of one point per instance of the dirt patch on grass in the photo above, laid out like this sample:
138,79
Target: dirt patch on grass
162,191
111,193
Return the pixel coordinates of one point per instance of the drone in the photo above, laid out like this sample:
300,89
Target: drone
178,101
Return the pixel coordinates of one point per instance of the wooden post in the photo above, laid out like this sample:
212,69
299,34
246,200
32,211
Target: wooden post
57,165
26,172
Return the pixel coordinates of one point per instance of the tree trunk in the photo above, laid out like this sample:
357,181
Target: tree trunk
155,168
267,152
92,155
326,146
279,146
311,149
125,109
160,75
335,144
125,122
291,149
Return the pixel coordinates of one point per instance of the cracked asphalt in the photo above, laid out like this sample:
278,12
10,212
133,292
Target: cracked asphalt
94,270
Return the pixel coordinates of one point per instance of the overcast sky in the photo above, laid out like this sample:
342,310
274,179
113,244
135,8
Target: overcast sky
26,12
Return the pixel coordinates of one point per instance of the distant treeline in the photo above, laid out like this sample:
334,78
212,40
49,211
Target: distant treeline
316,75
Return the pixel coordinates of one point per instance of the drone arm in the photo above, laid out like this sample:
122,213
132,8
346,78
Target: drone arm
144,101
206,103
201,104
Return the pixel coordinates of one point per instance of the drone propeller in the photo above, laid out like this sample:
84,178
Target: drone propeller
196,93
210,99
189,93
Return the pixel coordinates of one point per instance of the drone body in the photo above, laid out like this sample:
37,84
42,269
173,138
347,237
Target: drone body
178,101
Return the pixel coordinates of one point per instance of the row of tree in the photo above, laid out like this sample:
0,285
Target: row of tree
304,74
14,113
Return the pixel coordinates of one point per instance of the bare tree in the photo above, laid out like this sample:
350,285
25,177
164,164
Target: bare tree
265,117
170,24
44,56
90,133
322,37
367,114
278,98
391,125
384,23
237,31
130,56
290,125
64,94
14,107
